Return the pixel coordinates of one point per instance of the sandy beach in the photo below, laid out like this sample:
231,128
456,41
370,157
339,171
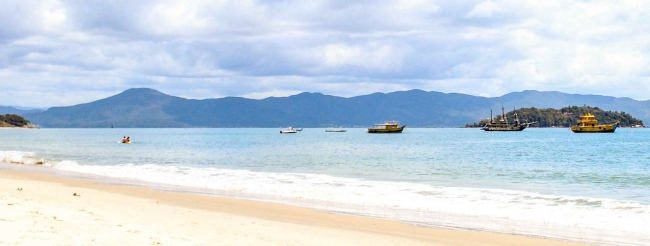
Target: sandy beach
41,209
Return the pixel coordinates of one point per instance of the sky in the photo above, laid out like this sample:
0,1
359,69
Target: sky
61,53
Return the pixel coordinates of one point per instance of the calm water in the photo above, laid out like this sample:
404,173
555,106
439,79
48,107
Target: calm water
549,182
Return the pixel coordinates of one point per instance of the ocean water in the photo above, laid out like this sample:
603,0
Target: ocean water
539,182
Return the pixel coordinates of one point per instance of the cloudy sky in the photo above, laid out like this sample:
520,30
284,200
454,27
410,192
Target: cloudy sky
58,53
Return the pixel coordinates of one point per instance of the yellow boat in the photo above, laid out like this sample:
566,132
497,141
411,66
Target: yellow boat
387,127
588,124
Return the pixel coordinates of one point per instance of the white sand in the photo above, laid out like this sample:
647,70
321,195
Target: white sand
45,212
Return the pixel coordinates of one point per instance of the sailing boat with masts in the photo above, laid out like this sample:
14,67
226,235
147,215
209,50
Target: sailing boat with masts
503,125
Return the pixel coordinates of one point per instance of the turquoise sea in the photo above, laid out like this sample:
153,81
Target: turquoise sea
540,182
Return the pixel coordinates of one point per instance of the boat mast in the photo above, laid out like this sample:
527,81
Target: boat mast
516,116
503,113
491,119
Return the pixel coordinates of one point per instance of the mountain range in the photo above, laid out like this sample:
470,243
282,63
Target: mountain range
143,107
18,110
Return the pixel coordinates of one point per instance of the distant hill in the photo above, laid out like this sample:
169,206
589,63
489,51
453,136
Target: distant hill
144,107
14,110
526,99
131,108
565,117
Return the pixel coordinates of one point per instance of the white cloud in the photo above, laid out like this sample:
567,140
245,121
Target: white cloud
206,49
382,57
483,10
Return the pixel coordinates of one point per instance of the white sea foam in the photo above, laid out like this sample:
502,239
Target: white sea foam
19,157
594,219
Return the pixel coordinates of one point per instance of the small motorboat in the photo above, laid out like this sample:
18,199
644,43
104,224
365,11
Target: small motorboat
338,130
289,130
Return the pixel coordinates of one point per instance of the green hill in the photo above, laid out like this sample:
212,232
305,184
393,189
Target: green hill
13,120
566,116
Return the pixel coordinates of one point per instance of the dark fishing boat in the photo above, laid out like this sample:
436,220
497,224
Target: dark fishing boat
503,125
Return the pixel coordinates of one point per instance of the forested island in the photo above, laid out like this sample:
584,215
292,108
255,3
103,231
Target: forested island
14,120
564,117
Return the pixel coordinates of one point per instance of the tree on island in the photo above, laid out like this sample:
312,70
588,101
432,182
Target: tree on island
14,120
565,117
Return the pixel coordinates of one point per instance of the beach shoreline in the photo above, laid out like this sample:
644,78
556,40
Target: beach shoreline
45,209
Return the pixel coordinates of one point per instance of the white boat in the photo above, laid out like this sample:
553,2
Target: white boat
289,130
339,130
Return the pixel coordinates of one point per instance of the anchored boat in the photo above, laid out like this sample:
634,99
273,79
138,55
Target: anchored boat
290,130
588,124
337,130
503,125
387,127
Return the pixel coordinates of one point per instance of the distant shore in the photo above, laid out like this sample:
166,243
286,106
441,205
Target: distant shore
39,208
18,127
